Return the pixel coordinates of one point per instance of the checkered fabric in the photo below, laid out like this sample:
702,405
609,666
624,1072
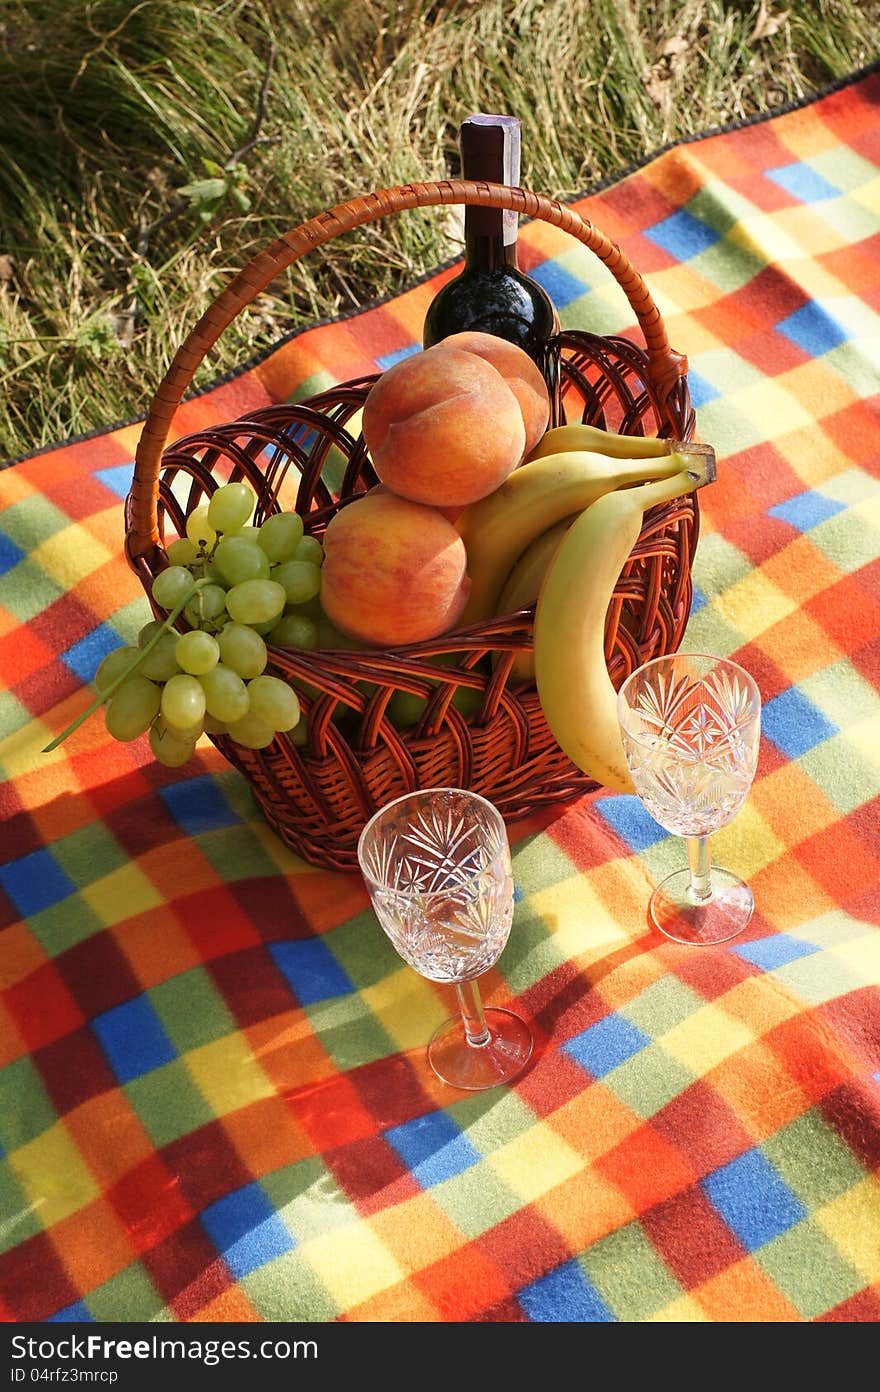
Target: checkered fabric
214,1099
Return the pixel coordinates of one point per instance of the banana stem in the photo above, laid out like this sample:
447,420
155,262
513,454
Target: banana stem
104,695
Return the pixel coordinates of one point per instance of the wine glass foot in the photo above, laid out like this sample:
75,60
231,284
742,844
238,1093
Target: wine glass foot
501,1059
701,923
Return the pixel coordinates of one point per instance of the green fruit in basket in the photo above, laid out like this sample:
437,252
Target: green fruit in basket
311,550
280,535
199,529
226,696
295,631
310,608
238,559
183,701
113,666
132,708
242,649
255,602
181,551
231,507
273,701
213,726
301,580
196,652
251,732
170,586
206,606
299,735
168,746
148,631
160,664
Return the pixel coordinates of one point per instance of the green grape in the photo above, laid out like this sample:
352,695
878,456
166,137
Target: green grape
295,631
149,631
238,559
181,551
213,726
197,652
168,747
299,735
199,529
311,550
231,506
273,701
133,707
242,649
226,696
114,664
170,586
310,608
329,636
161,663
252,732
301,580
191,733
248,533
264,629
206,606
255,602
280,535
183,701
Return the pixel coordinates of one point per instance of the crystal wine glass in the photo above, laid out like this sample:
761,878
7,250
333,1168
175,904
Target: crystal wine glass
691,725
437,866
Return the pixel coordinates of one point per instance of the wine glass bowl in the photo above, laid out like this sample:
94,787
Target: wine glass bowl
437,867
690,725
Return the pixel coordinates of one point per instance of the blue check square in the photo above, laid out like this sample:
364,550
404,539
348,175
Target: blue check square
775,950
117,478
246,1230
79,1313
86,656
683,235
433,1148
198,805
701,389
10,554
812,328
389,359
311,970
133,1039
802,182
35,882
561,286
604,1045
794,724
628,817
806,510
752,1199
565,1295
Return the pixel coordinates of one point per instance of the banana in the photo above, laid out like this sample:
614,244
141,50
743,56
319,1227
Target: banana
497,529
523,587
576,694
579,436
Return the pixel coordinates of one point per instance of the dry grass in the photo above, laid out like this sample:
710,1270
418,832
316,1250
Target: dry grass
109,108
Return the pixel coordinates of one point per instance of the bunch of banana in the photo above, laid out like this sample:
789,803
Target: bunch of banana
577,697
498,529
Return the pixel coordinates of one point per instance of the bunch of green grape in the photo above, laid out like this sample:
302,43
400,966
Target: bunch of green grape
236,585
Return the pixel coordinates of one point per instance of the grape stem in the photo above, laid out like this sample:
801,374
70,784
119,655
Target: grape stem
105,695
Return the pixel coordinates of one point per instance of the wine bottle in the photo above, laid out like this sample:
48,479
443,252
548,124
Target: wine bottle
491,294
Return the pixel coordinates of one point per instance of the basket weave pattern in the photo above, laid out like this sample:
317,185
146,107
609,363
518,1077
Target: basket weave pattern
319,795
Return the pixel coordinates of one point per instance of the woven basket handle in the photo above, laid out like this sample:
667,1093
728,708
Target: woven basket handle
665,366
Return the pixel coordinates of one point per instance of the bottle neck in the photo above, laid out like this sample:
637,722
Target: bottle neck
488,251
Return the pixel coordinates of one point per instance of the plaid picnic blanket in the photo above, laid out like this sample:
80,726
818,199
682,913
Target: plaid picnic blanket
214,1100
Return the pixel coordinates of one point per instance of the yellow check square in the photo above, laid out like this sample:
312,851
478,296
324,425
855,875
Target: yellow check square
852,1221
705,1039
53,1175
70,555
406,1007
685,1310
746,844
122,894
753,605
352,1263
227,1074
535,1162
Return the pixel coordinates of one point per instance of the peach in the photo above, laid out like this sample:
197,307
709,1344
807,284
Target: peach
521,374
443,428
394,571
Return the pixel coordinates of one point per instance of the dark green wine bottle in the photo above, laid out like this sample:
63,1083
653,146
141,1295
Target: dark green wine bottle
491,294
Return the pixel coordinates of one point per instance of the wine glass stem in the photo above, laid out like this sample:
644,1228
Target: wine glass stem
471,1006
700,868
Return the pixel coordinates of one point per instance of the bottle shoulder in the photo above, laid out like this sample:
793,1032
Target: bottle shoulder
503,301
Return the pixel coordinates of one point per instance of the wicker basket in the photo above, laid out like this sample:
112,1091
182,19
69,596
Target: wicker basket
319,795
